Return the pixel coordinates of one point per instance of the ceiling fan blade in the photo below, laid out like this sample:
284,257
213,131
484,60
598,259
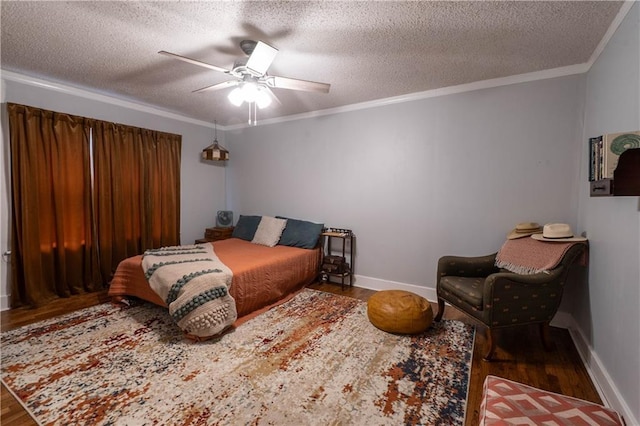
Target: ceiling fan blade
218,86
261,58
193,61
295,84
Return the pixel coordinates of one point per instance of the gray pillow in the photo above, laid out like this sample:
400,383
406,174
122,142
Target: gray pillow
246,227
300,233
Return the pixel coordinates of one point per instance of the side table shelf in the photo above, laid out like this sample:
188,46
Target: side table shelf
334,259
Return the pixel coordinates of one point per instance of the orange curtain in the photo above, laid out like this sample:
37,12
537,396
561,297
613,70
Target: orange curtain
54,251
71,228
137,191
162,156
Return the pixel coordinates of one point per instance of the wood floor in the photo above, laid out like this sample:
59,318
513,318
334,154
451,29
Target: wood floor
519,355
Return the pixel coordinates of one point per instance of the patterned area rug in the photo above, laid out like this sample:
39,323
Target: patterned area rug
315,360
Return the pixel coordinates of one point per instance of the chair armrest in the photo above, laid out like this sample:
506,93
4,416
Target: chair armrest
514,298
462,266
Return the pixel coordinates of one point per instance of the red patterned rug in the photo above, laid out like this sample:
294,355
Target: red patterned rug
315,360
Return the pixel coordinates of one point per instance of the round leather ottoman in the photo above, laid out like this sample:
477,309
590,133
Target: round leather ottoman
399,311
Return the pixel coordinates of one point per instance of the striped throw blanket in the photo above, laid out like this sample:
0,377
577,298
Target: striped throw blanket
194,284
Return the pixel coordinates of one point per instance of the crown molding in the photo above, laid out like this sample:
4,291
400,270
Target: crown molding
622,13
467,87
88,94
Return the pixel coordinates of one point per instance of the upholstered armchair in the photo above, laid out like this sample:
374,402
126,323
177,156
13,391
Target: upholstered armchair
499,298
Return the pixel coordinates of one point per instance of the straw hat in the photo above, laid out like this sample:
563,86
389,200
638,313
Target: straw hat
557,232
524,230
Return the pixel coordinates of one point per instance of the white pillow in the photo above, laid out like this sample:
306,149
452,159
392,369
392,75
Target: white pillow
269,231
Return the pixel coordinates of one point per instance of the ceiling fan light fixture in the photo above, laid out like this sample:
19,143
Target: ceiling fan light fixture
249,92
263,100
236,97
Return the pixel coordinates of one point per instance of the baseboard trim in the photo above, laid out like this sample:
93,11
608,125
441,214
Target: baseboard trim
4,303
600,377
377,284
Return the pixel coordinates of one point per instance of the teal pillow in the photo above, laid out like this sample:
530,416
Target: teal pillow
300,233
246,227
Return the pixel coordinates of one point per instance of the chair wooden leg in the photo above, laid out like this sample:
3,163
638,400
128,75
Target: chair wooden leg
546,337
491,343
438,316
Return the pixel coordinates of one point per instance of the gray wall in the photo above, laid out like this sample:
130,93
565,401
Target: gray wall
421,179
607,311
202,183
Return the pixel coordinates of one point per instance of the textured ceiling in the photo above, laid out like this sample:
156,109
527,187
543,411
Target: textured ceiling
366,50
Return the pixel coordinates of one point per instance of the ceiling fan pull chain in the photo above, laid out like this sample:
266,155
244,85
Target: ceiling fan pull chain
253,114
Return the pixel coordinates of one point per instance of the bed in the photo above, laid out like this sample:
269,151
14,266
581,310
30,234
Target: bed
262,276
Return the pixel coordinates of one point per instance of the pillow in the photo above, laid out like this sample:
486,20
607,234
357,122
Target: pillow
269,231
301,233
246,227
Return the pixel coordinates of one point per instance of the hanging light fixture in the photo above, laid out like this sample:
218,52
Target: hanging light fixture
215,152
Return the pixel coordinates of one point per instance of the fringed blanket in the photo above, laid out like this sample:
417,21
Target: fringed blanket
528,256
194,284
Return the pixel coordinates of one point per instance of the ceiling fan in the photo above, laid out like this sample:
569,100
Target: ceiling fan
252,84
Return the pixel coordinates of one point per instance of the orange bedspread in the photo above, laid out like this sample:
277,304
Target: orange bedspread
262,275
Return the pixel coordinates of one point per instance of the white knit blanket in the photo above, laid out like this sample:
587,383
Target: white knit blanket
194,284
